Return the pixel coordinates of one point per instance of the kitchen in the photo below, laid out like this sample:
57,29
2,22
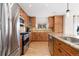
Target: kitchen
39,29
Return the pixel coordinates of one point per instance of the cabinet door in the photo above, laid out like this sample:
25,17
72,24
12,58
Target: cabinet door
25,16
34,36
45,36
33,21
58,51
58,19
55,52
58,24
50,22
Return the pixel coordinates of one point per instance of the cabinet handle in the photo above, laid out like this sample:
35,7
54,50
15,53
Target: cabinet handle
59,50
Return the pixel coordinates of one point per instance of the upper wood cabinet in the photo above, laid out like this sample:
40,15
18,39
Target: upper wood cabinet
25,16
58,24
58,20
50,21
33,21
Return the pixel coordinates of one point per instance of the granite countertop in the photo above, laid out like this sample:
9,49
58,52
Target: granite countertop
65,41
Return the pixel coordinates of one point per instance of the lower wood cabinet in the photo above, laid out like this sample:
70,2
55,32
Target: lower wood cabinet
70,51
58,51
59,48
39,36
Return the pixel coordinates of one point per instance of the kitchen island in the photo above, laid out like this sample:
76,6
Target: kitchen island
59,46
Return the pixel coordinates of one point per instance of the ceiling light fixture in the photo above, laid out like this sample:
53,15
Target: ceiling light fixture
67,11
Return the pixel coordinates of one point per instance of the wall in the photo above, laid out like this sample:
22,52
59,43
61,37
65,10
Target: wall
68,25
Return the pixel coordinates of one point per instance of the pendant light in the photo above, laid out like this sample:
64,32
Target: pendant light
67,11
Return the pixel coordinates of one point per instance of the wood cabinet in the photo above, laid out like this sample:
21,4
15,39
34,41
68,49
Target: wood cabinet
60,48
58,24
71,51
33,21
50,22
58,51
39,36
25,16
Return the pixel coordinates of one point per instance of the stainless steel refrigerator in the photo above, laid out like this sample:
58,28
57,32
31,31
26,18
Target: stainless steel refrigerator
9,34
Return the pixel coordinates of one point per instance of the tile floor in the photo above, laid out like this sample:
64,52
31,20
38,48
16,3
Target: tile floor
38,49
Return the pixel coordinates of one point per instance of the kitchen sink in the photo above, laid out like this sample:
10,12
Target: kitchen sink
71,39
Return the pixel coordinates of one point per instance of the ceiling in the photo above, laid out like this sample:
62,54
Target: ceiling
49,9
